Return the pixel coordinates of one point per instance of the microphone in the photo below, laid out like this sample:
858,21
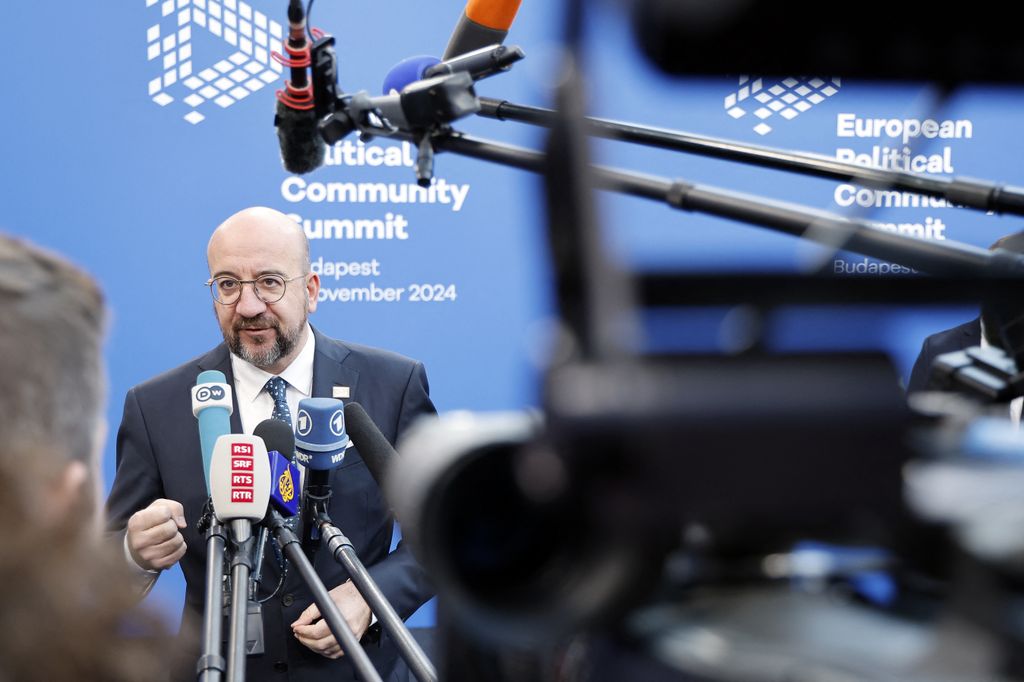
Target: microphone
320,444
284,480
211,405
421,106
483,23
407,71
480,64
240,488
240,482
376,451
302,148
320,437
284,475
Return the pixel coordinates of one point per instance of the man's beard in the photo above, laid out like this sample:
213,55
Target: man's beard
266,355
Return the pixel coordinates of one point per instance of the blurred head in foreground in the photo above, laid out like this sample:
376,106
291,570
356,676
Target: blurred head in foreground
65,597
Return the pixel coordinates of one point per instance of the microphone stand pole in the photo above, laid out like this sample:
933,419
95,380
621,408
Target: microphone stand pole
949,258
210,666
345,554
456,99
968,192
241,569
289,543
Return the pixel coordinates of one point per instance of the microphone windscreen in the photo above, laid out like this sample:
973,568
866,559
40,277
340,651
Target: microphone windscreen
376,451
302,148
276,435
407,71
320,437
240,478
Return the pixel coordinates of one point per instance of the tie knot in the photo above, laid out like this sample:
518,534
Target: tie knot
277,388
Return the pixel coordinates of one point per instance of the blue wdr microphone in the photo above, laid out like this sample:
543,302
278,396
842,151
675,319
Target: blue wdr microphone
320,443
212,406
320,438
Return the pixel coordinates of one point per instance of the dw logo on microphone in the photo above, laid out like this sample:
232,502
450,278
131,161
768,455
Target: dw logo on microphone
207,393
789,97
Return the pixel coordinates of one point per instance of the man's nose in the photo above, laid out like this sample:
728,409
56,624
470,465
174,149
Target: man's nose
249,304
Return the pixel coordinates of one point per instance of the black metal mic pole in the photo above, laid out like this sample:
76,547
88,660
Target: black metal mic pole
257,571
210,666
949,258
968,192
241,569
343,552
328,609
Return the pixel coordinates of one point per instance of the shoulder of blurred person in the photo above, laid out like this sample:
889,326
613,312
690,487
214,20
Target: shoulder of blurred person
67,613
948,340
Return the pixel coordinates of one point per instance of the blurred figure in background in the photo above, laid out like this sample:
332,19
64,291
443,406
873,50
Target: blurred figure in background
981,331
66,601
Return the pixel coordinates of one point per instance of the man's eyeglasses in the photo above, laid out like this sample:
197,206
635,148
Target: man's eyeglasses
268,288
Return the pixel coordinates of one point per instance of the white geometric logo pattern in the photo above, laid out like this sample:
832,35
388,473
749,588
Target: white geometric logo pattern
238,63
788,98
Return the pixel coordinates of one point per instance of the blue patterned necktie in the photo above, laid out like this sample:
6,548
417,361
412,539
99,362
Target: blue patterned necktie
277,388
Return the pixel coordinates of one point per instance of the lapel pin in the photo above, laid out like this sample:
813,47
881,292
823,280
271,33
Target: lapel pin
340,392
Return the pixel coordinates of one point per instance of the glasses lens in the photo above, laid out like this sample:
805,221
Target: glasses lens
225,289
270,288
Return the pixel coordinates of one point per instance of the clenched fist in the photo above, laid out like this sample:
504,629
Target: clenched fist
154,537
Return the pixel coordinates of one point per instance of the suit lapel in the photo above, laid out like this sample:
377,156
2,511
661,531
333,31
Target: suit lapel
329,369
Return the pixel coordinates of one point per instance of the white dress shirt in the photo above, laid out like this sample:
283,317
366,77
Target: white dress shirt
254,403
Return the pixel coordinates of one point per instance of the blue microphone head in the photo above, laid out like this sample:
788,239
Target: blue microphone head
212,406
320,438
407,71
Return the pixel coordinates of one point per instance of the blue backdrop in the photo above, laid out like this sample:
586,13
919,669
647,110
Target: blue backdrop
133,129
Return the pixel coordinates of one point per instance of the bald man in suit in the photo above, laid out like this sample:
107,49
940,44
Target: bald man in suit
264,291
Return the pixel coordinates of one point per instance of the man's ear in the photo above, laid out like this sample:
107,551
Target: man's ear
312,291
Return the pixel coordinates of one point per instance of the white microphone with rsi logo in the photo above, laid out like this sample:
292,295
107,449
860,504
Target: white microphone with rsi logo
240,482
240,488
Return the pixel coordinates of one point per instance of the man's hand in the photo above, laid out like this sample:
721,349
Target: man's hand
317,636
154,539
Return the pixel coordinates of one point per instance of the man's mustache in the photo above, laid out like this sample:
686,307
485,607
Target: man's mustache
260,322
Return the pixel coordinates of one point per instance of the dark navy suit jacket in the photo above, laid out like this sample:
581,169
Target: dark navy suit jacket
957,338
158,456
